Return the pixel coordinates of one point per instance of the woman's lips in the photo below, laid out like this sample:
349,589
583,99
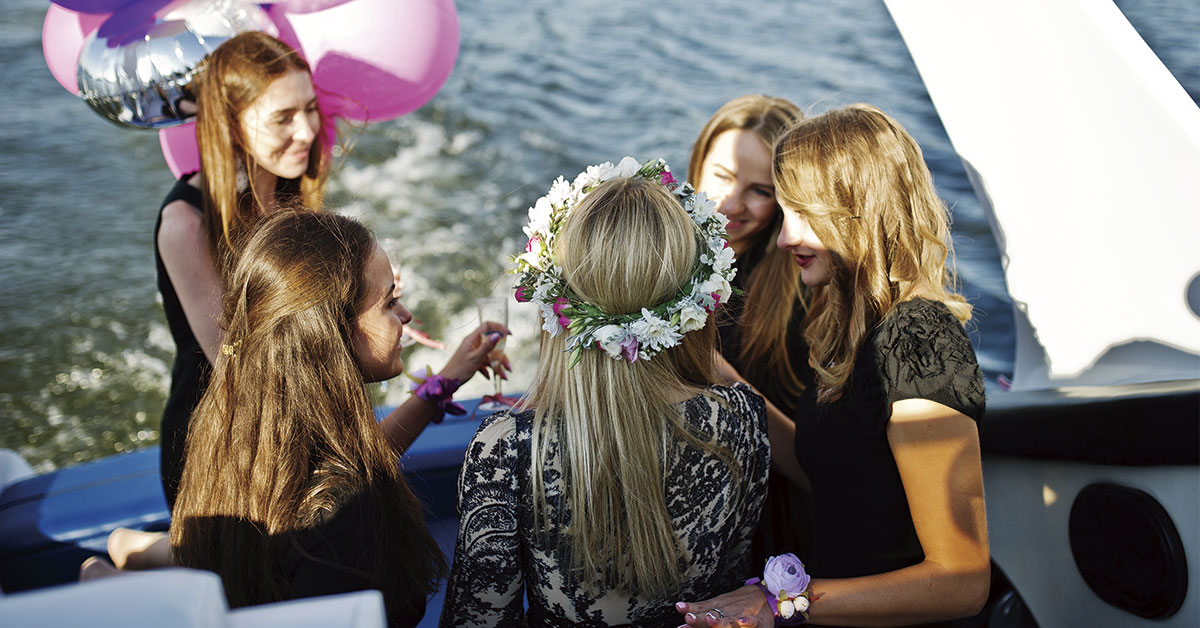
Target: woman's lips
804,260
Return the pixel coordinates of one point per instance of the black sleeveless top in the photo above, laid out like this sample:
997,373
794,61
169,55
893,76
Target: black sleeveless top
861,521
190,373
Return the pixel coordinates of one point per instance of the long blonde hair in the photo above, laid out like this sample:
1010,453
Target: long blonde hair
628,245
230,80
861,182
773,286
285,434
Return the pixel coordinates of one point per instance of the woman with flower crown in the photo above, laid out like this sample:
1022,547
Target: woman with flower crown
731,165
888,435
626,478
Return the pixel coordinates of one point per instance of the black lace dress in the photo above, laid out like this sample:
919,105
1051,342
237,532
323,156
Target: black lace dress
501,555
861,521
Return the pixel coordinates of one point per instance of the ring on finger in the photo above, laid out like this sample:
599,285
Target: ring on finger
719,613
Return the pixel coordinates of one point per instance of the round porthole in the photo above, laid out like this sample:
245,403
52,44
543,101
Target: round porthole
1128,550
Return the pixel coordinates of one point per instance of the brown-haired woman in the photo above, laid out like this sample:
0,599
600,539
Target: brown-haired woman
888,435
290,488
262,146
731,164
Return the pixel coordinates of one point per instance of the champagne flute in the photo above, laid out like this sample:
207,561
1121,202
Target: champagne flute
494,309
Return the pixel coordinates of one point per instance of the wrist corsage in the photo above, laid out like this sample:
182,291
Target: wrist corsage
439,390
786,587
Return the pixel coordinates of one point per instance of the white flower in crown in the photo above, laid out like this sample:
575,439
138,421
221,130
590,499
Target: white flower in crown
702,209
611,339
559,192
654,333
627,167
722,260
539,217
594,175
691,317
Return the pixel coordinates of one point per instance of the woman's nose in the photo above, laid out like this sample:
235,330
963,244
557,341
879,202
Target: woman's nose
730,203
305,130
791,233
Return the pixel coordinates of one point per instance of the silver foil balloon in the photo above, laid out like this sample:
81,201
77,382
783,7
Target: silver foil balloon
146,83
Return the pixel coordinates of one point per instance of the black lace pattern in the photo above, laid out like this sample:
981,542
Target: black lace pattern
501,556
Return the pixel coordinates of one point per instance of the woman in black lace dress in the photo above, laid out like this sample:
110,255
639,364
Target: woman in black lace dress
628,479
889,435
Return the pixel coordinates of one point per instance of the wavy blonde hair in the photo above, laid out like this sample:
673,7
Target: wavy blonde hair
773,287
628,245
861,182
230,80
285,434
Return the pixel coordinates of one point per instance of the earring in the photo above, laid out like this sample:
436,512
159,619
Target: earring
243,178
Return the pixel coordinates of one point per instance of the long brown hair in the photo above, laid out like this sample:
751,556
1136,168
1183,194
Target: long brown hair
861,182
285,433
232,78
773,285
627,246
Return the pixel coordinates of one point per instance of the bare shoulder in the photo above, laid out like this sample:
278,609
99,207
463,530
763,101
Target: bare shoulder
182,225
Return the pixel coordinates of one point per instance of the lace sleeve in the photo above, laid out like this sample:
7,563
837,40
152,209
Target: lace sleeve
485,587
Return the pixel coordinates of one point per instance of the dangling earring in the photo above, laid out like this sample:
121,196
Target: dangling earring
243,178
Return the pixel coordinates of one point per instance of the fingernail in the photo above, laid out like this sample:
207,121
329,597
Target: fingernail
744,620
691,616
494,336
681,606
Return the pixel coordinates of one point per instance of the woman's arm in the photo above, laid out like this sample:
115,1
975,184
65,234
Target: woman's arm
781,430
402,426
183,247
937,453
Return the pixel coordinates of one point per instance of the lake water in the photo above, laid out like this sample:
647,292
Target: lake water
539,90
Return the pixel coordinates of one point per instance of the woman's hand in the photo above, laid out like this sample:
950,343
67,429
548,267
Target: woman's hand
746,606
478,352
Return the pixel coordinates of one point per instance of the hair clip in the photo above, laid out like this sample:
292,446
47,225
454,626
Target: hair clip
230,350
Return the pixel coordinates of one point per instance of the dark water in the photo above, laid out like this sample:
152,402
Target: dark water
538,91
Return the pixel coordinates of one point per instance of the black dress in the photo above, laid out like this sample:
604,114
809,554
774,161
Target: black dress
190,373
503,556
785,522
341,555
861,521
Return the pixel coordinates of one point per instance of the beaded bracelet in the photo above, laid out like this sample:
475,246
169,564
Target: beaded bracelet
439,390
785,573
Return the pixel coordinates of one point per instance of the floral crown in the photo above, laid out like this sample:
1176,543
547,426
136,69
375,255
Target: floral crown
640,335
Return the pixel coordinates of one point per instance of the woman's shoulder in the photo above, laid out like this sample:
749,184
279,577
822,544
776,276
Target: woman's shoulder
924,352
499,432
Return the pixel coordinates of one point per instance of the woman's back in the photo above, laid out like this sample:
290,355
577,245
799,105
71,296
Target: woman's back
503,550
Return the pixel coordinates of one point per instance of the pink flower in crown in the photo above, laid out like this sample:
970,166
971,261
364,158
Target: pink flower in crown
666,178
716,301
629,349
523,295
559,305
529,244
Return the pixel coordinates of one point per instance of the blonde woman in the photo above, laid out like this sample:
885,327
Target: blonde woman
760,330
888,435
628,478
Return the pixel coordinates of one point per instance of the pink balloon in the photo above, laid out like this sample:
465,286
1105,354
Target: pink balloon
63,33
306,6
180,149
375,60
